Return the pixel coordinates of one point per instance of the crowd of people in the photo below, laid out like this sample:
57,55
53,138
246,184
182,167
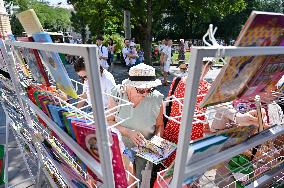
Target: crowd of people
140,90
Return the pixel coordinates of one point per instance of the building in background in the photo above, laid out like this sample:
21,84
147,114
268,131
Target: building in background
5,26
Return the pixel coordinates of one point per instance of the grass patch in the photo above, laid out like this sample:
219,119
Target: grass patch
175,57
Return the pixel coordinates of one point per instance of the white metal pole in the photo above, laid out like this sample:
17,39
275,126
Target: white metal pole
93,73
6,145
192,84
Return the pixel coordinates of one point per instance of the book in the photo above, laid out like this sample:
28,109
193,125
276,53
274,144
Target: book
54,111
155,150
51,60
34,62
30,22
18,56
55,66
248,76
3,65
71,175
86,138
204,148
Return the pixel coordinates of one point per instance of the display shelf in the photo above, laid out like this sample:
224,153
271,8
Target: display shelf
182,171
266,160
266,164
98,115
81,153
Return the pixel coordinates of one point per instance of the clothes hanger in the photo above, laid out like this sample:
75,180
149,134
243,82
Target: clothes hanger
213,42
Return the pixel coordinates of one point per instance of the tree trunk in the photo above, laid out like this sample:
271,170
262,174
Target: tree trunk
148,36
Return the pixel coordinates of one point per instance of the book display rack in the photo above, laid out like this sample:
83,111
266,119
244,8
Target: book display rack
189,169
57,154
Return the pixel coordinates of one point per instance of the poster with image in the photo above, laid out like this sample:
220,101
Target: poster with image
55,66
34,62
244,75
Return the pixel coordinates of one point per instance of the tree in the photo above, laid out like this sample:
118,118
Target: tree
52,18
99,15
79,24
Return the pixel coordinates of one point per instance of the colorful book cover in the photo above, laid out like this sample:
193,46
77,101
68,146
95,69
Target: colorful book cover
34,62
71,120
30,22
65,122
206,147
45,103
87,140
261,29
18,56
41,99
36,96
3,65
55,66
155,150
73,177
54,111
266,79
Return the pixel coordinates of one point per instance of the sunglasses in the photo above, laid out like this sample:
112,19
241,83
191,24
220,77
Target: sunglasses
142,91
83,77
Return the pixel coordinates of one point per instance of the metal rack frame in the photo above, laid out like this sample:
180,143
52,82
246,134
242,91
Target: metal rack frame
181,171
89,52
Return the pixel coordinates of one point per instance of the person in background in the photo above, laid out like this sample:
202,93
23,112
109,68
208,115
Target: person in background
133,53
181,52
166,60
140,56
106,78
126,52
162,45
156,52
147,116
110,53
103,52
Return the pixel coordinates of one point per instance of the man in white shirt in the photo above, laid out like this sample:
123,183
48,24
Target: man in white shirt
127,53
103,52
106,78
166,60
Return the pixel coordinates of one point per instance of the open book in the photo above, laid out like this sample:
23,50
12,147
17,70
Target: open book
247,76
155,150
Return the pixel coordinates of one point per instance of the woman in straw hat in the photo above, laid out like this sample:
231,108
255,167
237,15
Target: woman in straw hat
147,117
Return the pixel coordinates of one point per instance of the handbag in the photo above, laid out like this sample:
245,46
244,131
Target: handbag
169,106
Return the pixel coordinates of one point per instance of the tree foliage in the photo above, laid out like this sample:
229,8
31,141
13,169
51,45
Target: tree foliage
52,18
167,18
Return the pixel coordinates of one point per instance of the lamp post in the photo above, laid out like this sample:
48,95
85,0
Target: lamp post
5,26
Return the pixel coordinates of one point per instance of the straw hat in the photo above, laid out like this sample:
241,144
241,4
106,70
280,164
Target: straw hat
142,76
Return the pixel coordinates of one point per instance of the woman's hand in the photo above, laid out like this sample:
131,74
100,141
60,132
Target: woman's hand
250,118
246,119
136,137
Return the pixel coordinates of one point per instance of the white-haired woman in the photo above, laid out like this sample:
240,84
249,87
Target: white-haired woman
147,118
